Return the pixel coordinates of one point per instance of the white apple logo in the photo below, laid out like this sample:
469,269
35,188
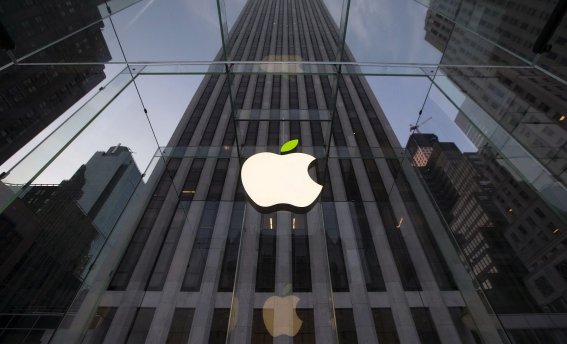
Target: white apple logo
270,179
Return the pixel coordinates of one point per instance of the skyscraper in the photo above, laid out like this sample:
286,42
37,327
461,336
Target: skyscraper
204,265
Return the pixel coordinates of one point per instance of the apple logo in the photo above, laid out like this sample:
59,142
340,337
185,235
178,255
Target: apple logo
270,179
280,317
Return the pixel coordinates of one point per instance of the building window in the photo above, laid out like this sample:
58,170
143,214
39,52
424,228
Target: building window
306,334
100,324
219,326
161,267
266,268
141,325
385,326
337,268
301,267
128,263
228,270
260,334
346,328
200,250
424,326
180,326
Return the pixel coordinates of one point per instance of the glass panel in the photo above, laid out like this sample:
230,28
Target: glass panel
35,161
219,326
385,326
405,36
424,325
95,44
514,26
146,37
42,97
166,97
180,326
141,325
33,26
346,328
100,324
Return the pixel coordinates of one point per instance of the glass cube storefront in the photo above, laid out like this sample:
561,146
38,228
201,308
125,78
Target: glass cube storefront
438,129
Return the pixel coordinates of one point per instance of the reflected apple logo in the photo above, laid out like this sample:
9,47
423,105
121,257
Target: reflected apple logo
280,316
270,179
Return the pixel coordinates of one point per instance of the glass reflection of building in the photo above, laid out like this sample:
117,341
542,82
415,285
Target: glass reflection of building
510,237
51,237
526,103
33,97
516,116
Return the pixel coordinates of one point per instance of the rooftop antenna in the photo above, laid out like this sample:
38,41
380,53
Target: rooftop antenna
115,148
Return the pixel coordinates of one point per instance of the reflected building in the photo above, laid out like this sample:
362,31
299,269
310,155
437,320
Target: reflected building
51,236
513,241
528,105
31,97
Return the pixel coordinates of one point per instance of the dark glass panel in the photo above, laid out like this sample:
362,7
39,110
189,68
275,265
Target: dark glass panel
214,118
140,326
301,265
398,246
230,259
260,334
424,325
100,324
346,329
200,250
128,263
274,134
365,243
161,267
337,268
385,326
180,326
219,326
306,334
266,268
368,256
197,113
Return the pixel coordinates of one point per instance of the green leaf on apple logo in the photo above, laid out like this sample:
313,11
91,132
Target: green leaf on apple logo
289,145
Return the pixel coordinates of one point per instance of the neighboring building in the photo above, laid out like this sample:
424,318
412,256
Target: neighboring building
536,232
52,235
514,242
420,148
31,97
528,106
465,195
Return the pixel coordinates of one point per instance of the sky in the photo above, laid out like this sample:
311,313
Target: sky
178,31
